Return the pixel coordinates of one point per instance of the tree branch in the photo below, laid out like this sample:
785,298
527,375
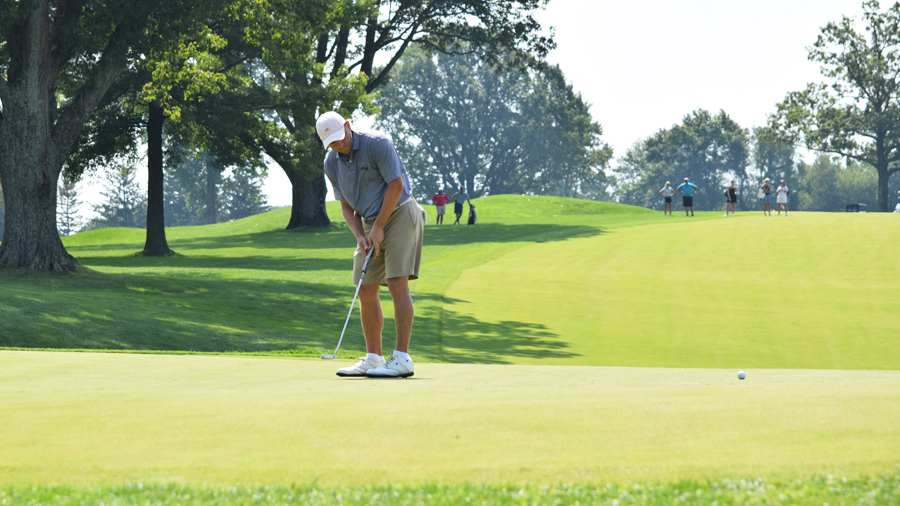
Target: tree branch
112,62
375,83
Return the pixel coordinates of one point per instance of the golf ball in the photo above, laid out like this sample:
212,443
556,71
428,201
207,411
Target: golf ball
742,375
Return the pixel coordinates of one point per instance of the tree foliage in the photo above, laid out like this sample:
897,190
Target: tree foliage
829,185
68,207
124,204
710,150
856,114
461,121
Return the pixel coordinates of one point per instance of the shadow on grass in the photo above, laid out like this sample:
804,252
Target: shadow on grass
212,262
340,237
478,342
134,312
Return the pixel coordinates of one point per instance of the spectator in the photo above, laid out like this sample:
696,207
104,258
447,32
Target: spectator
667,192
730,197
782,192
686,189
440,200
458,201
767,197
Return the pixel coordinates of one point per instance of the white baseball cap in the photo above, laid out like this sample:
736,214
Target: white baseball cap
330,127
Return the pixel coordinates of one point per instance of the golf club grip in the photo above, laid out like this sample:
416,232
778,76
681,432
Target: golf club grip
365,267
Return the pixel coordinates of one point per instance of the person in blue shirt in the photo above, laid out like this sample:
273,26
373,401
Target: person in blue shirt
686,189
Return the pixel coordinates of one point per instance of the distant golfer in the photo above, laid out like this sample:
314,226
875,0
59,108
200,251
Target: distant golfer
376,200
782,192
686,189
767,197
440,200
458,201
730,197
667,191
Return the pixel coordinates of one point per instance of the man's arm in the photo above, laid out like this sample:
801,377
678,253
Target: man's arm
355,223
391,197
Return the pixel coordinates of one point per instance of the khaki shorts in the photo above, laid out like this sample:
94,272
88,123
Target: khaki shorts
441,210
401,251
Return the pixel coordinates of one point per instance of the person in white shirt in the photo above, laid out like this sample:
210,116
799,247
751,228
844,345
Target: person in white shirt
667,192
781,199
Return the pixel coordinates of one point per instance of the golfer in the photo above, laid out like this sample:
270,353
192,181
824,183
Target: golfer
686,189
667,191
376,200
767,197
781,199
440,200
458,201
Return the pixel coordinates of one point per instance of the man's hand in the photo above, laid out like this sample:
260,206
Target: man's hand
376,237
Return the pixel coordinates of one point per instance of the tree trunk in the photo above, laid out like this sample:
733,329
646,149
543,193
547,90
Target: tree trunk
212,176
308,202
29,168
884,190
156,244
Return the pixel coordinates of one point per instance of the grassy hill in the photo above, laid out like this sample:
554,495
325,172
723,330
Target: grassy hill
251,286
537,280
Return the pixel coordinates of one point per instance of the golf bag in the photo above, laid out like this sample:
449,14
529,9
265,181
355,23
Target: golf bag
472,216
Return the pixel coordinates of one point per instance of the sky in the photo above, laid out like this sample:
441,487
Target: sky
644,65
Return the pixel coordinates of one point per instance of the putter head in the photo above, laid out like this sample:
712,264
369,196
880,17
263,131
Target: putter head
328,357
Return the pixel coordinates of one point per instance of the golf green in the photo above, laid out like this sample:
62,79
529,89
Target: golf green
809,290
87,419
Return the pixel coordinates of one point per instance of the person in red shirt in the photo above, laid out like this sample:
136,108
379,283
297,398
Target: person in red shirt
440,200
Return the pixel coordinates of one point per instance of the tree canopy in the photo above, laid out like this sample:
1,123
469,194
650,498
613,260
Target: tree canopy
461,121
856,112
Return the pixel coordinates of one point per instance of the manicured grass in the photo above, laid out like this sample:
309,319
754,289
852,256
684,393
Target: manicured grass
811,290
93,419
252,287
818,490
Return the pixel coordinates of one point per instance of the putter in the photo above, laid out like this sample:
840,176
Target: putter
361,275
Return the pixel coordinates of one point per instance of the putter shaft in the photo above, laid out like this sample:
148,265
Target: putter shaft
362,274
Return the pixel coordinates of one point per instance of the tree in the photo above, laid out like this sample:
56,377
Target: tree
709,150
462,121
244,196
67,208
58,58
856,115
341,73
125,203
2,211
829,185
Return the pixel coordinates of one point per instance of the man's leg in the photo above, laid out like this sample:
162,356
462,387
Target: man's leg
404,312
372,317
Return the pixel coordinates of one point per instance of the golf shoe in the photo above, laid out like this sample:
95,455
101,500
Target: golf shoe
360,368
395,367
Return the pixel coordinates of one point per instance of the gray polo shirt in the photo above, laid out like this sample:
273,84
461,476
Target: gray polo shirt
362,178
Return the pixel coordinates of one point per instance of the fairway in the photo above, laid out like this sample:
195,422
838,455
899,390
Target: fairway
809,290
89,419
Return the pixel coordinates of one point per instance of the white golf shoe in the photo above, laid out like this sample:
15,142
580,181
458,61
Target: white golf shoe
395,367
360,368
